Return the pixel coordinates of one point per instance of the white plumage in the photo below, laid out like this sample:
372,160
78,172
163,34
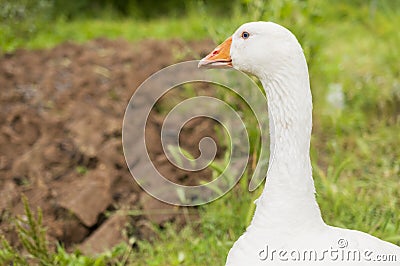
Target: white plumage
287,227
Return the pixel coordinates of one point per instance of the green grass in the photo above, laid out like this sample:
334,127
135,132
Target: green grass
355,146
86,29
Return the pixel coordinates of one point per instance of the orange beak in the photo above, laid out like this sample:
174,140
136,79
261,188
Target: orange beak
220,57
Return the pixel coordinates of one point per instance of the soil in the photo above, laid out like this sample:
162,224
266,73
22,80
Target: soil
61,113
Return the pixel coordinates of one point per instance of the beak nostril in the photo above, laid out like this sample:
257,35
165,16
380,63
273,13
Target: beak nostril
219,57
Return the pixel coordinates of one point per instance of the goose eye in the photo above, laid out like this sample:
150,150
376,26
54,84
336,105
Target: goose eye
245,35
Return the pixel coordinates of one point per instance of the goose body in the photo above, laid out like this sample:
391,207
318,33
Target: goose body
287,227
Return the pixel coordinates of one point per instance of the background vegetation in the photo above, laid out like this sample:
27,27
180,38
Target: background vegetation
353,52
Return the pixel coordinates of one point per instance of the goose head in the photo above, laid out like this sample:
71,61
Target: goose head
258,48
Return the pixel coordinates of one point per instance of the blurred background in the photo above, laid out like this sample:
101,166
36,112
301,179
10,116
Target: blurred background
68,70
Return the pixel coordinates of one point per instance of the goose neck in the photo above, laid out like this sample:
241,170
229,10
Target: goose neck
289,193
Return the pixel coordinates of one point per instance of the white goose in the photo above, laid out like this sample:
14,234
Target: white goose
287,227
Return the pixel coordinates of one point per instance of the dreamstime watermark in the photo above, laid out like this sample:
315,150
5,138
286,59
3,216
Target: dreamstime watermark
340,253
143,101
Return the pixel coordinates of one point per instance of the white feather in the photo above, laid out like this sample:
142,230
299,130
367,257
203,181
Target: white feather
287,216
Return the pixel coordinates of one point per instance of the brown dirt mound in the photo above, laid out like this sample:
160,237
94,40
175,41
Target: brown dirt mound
61,115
